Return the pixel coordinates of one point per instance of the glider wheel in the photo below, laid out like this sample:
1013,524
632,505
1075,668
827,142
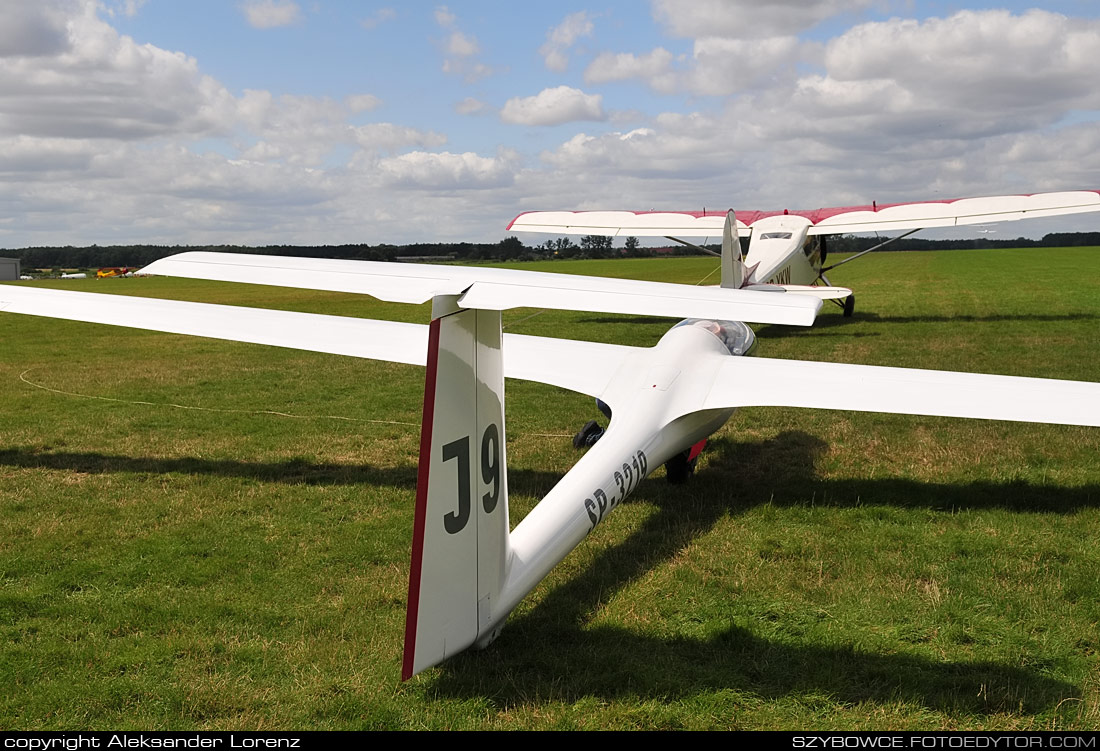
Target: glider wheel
678,469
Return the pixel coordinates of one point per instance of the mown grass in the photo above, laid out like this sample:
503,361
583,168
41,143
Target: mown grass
170,568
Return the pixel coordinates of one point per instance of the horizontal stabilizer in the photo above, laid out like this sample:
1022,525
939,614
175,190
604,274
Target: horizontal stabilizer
492,289
584,367
822,293
875,217
758,382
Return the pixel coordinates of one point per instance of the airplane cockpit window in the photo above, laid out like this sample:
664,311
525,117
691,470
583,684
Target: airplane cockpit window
775,236
737,337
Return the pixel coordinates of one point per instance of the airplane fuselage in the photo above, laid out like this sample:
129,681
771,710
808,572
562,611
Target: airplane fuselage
781,252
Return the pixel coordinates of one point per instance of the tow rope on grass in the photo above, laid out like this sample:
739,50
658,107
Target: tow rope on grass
275,413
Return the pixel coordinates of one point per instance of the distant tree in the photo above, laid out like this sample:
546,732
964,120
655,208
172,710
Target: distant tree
596,246
565,248
631,243
511,248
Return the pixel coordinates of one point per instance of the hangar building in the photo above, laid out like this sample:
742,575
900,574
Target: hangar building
9,268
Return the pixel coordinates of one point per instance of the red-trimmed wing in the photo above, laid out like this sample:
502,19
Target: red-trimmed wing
844,219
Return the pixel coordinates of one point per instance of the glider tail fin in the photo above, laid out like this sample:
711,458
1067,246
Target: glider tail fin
460,537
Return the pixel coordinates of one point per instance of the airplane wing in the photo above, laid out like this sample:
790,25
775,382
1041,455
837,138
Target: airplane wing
493,289
584,367
757,382
845,219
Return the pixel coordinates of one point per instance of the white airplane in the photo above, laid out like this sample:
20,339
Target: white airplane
788,247
468,570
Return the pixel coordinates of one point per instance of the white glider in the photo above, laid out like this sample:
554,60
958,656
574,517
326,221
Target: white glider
468,570
788,247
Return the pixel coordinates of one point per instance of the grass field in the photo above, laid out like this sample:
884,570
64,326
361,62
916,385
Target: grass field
181,568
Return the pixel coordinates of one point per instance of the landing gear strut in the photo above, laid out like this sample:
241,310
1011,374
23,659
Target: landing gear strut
849,304
682,466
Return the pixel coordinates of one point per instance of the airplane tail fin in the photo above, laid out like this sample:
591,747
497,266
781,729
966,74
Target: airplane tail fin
460,537
733,268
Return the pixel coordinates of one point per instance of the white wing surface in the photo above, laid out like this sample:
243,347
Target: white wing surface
756,381
624,223
870,218
493,289
336,335
957,213
584,367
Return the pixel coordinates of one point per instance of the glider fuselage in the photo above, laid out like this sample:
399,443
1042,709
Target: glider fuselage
657,401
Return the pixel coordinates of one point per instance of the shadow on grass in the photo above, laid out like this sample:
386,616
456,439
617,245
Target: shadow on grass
291,471
549,653
611,662
295,471
738,475
782,471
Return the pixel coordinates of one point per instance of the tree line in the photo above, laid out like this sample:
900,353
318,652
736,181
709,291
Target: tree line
508,249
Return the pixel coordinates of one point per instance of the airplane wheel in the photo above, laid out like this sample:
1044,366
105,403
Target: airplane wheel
678,469
849,306
590,433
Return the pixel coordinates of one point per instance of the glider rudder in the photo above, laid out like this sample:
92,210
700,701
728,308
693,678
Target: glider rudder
460,535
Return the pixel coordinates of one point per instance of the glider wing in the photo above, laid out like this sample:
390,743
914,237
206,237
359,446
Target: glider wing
493,289
756,381
584,367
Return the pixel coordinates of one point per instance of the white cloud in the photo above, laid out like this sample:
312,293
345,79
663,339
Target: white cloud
460,49
444,170
32,29
611,66
461,45
471,106
555,51
971,104
305,130
718,66
379,17
362,102
45,156
554,106
748,19
103,85
677,146
99,135
128,8
268,14
976,60
444,17
972,75
726,66
390,137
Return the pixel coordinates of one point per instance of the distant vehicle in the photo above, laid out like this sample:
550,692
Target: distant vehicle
25,277
110,271
788,247
74,276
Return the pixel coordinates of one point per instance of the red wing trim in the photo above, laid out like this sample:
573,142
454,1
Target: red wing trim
413,605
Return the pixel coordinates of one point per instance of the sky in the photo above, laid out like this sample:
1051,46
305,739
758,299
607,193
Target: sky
319,122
